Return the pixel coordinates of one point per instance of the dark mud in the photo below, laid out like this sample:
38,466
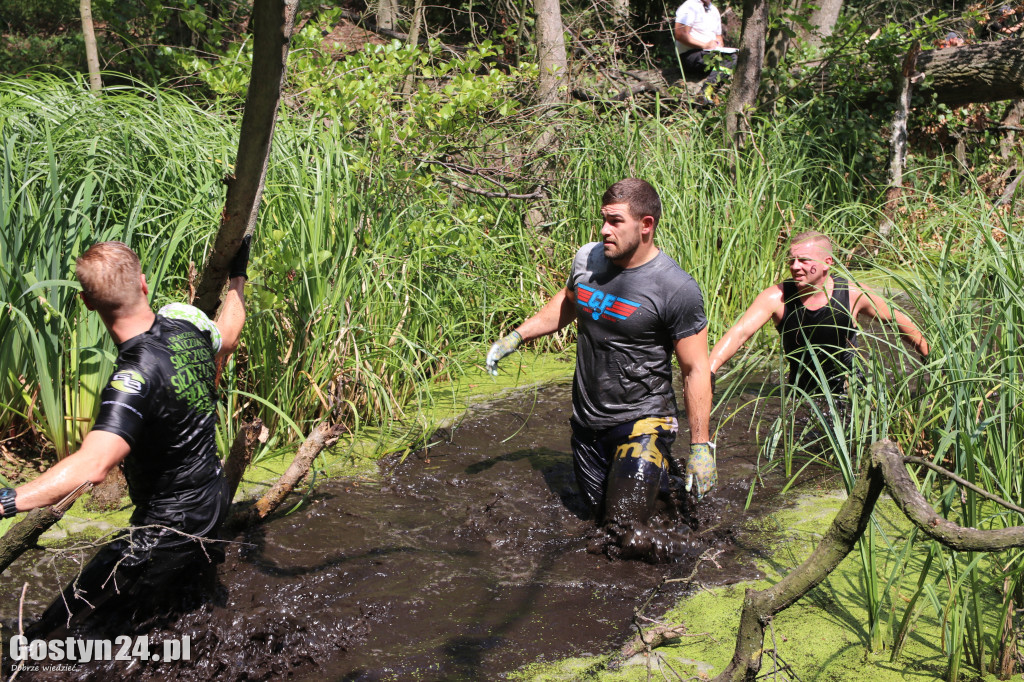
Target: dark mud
467,561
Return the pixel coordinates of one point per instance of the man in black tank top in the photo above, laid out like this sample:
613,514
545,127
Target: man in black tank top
824,337
156,420
816,315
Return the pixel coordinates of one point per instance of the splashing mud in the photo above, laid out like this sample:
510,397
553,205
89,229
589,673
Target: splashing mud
467,561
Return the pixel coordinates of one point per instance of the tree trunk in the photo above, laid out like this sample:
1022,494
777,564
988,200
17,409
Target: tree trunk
984,72
92,55
414,37
552,91
746,78
898,140
823,21
620,12
272,27
779,40
387,14
759,607
240,454
554,67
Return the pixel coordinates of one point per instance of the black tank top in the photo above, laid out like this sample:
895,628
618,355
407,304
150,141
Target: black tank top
827,334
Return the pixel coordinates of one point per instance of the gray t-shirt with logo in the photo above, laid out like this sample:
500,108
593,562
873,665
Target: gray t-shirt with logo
628,321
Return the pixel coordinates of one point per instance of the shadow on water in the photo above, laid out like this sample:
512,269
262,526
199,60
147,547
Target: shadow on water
468,561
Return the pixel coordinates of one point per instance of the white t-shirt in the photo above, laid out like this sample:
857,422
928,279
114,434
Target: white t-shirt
704,24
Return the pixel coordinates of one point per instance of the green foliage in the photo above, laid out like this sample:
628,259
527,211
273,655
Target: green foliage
374,283
47,53
28,16
846,92
452,98
960,409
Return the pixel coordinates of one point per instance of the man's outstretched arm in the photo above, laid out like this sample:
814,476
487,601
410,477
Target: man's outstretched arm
556,313
755,317
101,451
872,305
231,317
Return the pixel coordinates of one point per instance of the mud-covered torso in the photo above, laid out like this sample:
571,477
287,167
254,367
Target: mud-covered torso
161,399
826,335
628,321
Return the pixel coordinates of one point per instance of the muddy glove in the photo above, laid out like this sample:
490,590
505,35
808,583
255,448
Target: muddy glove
502,347
240,261
701,469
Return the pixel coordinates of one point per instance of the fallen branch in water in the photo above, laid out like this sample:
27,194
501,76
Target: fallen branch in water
24,535
241,454
323,436
657,636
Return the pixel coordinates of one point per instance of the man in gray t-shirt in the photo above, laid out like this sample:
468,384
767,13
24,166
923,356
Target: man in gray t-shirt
634,306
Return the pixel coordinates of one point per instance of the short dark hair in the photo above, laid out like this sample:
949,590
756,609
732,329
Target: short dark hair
642,199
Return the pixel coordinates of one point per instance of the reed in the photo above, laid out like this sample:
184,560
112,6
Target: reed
373,286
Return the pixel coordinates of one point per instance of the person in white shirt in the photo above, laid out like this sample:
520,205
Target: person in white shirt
698,32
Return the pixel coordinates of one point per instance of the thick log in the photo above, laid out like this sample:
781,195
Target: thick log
273,21
759,607
983,72
25,534
887,456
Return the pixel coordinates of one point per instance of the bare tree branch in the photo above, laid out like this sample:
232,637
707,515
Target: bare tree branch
964,482
25,534
273,21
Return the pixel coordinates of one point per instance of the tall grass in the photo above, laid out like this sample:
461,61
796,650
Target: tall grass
369,286
366,285
962,409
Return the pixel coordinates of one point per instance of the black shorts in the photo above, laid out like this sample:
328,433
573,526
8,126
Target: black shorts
621,470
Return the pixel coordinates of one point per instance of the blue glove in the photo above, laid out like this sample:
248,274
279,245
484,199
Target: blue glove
701,469
502,347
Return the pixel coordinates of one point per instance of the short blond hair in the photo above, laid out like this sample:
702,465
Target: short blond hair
109,273
822,240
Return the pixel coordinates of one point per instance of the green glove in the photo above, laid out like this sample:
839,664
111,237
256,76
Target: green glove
701,469
502,347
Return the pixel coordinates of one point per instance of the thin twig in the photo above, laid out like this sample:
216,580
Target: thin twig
537,193
21,628
967,484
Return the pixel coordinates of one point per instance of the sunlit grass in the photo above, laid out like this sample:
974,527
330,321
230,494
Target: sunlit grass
372,286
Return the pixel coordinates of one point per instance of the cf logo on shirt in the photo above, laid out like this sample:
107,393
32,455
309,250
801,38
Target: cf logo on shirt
600,304
128,382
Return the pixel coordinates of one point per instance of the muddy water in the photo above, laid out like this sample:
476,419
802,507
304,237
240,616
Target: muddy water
467,561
